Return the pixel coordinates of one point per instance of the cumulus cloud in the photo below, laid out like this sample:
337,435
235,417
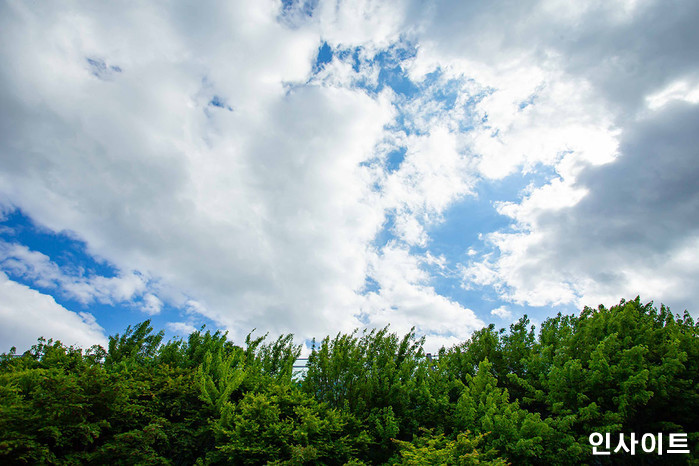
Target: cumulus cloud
502,312
633,232
152,304
73,282
406,298
261,213
595,92
27,315
620,48
181,328
677,91
201,152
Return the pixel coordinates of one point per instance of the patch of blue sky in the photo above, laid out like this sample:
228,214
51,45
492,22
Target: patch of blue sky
351,55
71,255
443,97
386,235
170,314
208,88
356,63
462,233
469,219
394,159
397,53
389,62
475,98
462,229
541,174
391,70
531,99
220,102
527,102
63,248
408,123
447,94
481,300
101,69
370,286
397,79
363,318
97,66
403,122
114,318
446,91
325,55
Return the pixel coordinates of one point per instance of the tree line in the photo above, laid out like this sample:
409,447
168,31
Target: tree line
504,396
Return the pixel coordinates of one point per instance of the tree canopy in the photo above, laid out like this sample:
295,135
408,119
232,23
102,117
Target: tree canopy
504,396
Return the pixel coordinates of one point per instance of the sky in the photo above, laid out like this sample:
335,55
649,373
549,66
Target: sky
312,167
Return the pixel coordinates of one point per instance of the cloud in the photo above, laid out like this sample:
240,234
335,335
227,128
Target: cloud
621,48
502,312
27,315
201,152
433,175
406,298
262,214
180,328
598,97
72,282
152,305
633,232
677,91
361,22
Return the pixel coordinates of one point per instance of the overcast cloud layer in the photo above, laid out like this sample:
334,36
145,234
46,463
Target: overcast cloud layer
290,166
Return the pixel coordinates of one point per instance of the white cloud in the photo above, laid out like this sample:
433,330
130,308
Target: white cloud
261,214
678,90
502,312
360,22
261,210
181,328
433,174
406,298
27,315
341,72
152,304
71,282
568,88
631,232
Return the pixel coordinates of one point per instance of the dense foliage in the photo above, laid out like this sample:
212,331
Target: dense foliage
502,397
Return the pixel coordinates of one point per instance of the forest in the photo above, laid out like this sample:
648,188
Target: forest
505,396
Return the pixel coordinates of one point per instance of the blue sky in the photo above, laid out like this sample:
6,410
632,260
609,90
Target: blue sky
314,167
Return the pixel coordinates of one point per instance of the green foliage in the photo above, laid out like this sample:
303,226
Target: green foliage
52,405
502,396
378,377
136,345
283,425
270,362
219,376
515,432
437,449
